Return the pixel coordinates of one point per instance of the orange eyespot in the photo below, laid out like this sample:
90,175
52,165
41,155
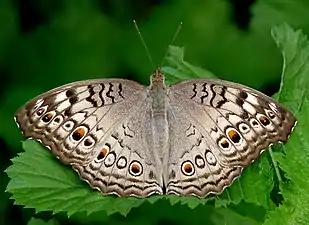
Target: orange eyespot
264,120
47,117
234,136
78,133
136,168
104,151
187,168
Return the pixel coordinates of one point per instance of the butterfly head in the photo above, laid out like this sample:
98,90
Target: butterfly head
157,79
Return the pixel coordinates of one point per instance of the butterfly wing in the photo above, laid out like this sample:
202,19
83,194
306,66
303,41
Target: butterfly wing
131,168
101,128
216,129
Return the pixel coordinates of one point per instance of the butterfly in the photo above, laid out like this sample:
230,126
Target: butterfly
193,137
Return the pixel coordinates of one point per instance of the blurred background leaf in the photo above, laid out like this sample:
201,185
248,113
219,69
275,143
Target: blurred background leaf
35,221
44,44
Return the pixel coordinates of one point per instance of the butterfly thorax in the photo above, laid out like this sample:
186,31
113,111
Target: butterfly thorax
158,96
157,91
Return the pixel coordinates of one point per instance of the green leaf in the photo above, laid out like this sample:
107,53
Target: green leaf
40,181
179,69
254,186
35,221
294,160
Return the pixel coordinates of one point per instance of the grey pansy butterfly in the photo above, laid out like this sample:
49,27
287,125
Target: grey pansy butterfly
191,138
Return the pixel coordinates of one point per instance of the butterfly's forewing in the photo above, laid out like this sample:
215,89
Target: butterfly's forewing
216,129
102,129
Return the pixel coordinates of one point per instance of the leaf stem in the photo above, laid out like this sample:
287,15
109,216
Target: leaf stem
275,164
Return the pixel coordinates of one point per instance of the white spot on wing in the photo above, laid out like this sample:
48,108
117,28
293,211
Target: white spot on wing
38,103
60,97
252,99
274,108
232,107
249,108
63,105
110,160
210,158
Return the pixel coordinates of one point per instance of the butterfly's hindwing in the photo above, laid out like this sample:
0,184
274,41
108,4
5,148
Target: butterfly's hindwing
228,126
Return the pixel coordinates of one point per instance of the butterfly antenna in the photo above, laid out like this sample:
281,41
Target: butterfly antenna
172,42
144,43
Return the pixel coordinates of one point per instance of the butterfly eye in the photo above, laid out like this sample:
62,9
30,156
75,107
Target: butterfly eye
104,151
187,168
136,168
122,162
233,135
210,158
